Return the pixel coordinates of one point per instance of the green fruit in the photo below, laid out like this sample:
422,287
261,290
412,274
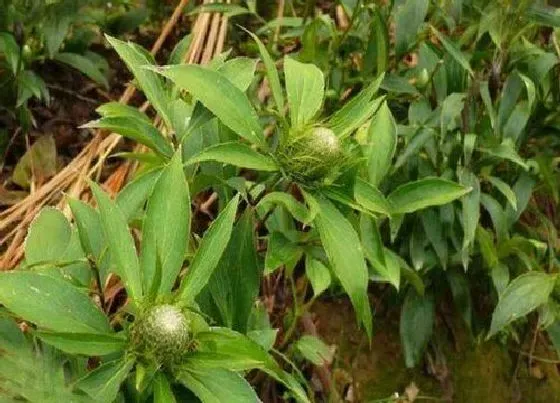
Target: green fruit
162,334
312,155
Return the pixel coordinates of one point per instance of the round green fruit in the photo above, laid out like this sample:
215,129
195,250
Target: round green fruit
162,333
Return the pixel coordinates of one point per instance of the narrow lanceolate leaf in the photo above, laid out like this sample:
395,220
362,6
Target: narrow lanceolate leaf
152,85
523,295
84,343
83,64
298,210
135,129
209,253
371,198
116,109
345,254
356,111
133,196
50,302
382,136
166,228
271,74
416,325
423,193
103,383
454,51
471,211
305,86
162,389
220,96
505,189
216,385
119,242
237,154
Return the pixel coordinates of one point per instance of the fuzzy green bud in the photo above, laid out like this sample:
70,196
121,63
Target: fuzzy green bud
162,333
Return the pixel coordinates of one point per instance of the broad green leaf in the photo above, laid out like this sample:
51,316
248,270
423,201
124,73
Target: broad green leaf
39,161
220,96
103,383
544,15
162,389
236,345
391,270
454,51
48,238
451,109
215,360
523,190
371,240
281,251
424,193
166,228
409,17
504,189
356,111
240,71
510,94
135,129
133,196
371,198
181,49
318,274
433,227
136,59
314,349
85,65
120,242
51,303
418,141
30,85
271,74
216,385
229,10
505,150
377,51
416,325
522,296
382,137
461,292
297,210
237,154
10,49
345,254
235,282
209,253
305,86
84,343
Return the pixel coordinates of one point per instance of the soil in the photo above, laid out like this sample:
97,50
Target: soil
463,370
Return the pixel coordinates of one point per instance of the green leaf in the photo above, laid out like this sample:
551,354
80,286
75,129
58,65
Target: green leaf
416,325
522,296
461,292
471,211
281,251
371,241
234,285
356,111
237,154
297,210
314,349
220,96
84,343
216,385
237,345
10,49
345,254
51,302
454,51
409,17
506,150
433,227
382,136
318,274
544,15
103,383
85,65
305,86
134,129
371,198
162,389
271,74
240,71
417,195
120,242
209,253
116,110
377,52
48,238
166,228
133,196
136,60
505,189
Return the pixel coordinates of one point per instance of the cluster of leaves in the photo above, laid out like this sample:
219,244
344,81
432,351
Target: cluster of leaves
63,30
420,180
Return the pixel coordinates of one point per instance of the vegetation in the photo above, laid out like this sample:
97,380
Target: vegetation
400,154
